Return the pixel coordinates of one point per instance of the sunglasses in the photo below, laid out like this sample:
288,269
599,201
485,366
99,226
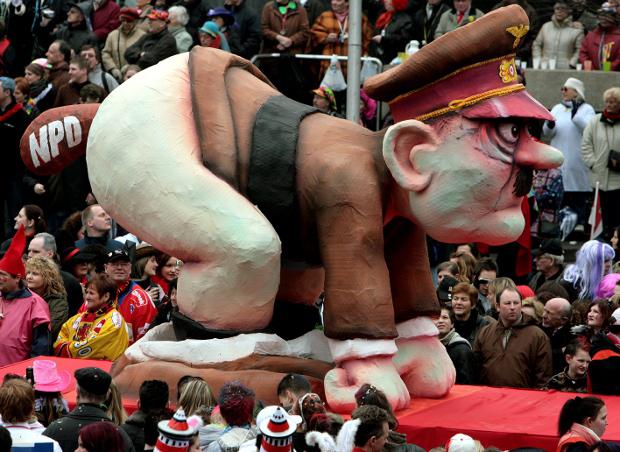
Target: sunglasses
484,281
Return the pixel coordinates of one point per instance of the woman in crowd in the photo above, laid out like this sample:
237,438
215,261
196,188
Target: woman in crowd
582,422
448,268
393,30
210,35
572,115
330,33
600,150
98,333
466,262
43,278
22,96
167,270
116,412
168,306
196,394
42,92
100,437
49,383
458,348
33,219
593,261
145,268
559,39
533,308
599,316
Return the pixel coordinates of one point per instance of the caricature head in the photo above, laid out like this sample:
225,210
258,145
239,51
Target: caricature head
467,152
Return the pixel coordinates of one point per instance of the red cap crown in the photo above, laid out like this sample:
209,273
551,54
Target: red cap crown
12,261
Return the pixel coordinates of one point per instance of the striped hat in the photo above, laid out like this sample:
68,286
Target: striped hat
175,435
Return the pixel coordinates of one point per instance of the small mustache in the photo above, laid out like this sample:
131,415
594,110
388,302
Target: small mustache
523,182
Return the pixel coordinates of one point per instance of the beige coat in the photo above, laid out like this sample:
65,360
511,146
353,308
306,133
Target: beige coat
113,53
598,138
560,41
447,21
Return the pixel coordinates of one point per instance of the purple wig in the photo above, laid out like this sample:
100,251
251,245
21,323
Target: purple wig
588,271
606,288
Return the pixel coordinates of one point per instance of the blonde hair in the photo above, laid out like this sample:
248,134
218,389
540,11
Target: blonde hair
614,91
539,308
196,394
50,273
116,412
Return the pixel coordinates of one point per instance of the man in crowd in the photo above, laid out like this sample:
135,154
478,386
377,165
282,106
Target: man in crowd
93,386
105,18
373,431
69,93
462,14
556,323
58,56
575,377
247,26
96,74
13,123
602,45
291,388
468,320
157,45
514,351
485,271
427,19
153,402
77,29
44,245
549,263
24,316
119,40
97,225
132,302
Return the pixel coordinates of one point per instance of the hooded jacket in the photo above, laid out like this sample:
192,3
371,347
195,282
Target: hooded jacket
525,361
590,46
559,40
82,33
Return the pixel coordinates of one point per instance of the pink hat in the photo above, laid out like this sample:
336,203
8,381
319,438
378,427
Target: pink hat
47,377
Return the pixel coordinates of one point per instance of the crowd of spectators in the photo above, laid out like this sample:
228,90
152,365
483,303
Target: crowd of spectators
73,283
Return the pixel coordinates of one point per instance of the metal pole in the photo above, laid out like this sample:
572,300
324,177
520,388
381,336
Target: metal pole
353,64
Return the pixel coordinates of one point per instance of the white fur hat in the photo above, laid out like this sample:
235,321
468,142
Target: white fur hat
577,85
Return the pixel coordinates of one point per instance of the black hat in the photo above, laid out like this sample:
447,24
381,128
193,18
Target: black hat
118,255
93,380
444,291
550,246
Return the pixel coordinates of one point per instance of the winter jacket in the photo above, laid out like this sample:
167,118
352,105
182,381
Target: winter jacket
109,244
182,37
117,43
397,442
525,362
208,434
66,429
591,47
69,94
43,93
448,21
59,312
106,19
156,47
469,329
566,136
394,37
559,339
459,351
560,41
598,138
424,25
327,23
59,75
247,28
294,25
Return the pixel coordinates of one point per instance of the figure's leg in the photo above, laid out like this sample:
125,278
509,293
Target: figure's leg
231,252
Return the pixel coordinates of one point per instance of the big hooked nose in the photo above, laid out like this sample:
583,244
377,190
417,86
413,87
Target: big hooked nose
537,155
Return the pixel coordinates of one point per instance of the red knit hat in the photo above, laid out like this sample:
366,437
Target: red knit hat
12,262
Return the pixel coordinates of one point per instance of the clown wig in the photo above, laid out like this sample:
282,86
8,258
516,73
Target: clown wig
588,271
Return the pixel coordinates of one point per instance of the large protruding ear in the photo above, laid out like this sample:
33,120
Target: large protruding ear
401,143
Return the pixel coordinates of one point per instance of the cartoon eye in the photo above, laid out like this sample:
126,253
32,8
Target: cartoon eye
509,132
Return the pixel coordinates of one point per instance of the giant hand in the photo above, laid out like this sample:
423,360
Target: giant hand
379,371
